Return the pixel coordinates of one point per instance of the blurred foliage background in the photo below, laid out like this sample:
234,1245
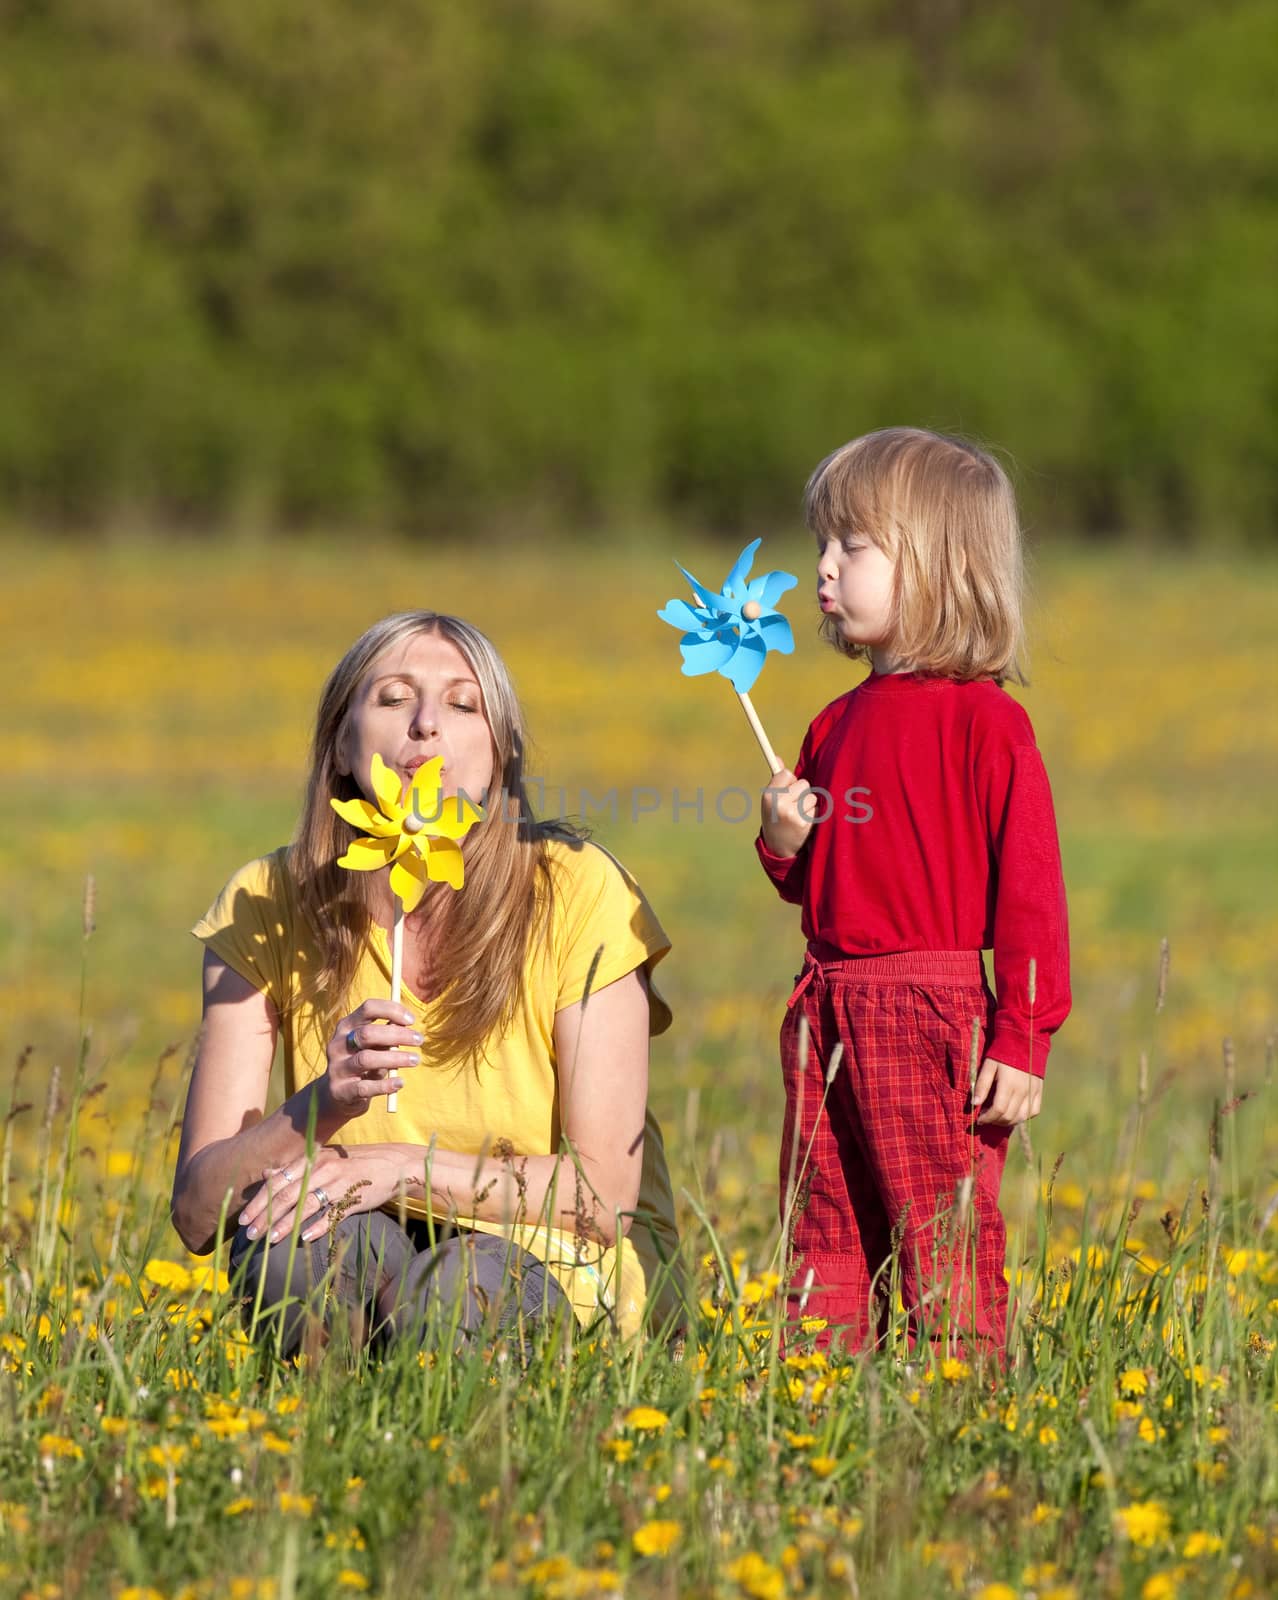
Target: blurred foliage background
550,265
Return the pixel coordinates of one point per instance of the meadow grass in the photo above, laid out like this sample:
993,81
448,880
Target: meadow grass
157,741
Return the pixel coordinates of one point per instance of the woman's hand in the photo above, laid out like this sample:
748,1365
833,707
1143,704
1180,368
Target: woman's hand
787,813
366,1052
358,1179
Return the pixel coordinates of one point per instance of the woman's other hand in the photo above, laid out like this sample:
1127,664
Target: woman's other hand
359,1178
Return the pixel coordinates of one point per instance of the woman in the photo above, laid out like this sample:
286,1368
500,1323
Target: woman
521,1172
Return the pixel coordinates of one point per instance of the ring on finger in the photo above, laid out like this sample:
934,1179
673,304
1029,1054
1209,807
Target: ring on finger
286,1175
320,1196
352,1041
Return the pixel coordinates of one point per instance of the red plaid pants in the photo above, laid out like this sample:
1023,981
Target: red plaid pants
875,1164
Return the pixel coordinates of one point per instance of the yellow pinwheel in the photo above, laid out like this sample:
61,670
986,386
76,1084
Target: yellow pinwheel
417,835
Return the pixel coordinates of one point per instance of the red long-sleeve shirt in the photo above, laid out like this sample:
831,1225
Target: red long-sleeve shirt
940,835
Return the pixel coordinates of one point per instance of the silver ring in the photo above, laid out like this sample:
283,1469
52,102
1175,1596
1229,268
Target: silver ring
321,1198
286,1175
352,1043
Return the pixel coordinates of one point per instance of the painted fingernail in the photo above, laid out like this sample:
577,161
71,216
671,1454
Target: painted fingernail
252,1233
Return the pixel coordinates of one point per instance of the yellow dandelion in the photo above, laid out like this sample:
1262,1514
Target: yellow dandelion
823,1466
295,1505
55,1445
114,1425
1133,1382
1200,1543
1047,1435
996,1591
953,1370
757,1577
237,1508
722,1464
645,1419
167,1275
1145,1522
1159,1586
620,1449
800,1441
656,1538
348,1578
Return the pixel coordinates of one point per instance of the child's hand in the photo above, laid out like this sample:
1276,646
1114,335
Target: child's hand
786,823
1018,1095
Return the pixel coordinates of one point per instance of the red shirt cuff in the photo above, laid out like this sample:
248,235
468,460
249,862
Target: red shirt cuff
1011,1045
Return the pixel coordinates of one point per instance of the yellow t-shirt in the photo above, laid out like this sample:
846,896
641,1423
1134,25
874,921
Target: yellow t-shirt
601,928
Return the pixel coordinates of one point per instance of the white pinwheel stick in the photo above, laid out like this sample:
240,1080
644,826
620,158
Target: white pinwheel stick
413,823
397,972
417,835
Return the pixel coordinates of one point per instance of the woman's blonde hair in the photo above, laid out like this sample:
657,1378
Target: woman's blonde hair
945,513
480,935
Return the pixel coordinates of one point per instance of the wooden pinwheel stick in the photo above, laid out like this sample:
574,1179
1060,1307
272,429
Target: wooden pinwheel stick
752,717
750,611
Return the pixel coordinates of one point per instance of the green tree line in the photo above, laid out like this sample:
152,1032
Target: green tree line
452,266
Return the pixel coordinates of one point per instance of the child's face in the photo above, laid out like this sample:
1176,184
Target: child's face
417,701
855,582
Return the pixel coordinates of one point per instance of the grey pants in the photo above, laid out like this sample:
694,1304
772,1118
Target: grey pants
387,1283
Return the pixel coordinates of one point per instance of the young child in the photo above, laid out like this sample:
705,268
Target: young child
916,830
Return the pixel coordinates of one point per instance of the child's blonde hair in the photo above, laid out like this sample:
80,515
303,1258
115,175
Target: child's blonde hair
945,513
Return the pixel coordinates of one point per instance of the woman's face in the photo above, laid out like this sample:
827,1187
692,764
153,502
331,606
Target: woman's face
419,700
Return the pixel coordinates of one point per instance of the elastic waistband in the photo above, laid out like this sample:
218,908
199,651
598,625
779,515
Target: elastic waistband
963,967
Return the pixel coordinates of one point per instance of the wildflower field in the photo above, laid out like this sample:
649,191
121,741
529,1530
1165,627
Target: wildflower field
159,701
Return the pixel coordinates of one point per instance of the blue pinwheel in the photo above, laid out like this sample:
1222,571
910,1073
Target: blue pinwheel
732,632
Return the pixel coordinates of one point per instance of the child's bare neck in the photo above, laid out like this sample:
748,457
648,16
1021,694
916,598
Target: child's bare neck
886,664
